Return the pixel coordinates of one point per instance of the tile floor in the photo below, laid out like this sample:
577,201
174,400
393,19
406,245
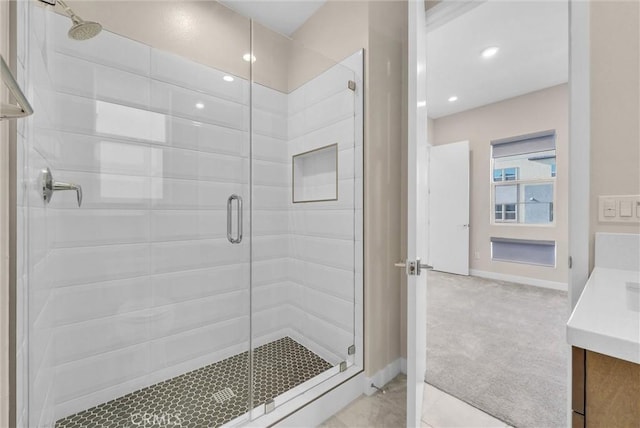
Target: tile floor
440,410
209,396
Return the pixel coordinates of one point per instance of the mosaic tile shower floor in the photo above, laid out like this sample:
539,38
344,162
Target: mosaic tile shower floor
209,396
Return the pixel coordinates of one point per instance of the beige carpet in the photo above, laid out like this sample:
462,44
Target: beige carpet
499,347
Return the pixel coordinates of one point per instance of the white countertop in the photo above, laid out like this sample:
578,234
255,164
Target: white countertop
606,318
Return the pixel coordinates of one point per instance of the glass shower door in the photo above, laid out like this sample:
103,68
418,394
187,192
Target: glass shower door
138,300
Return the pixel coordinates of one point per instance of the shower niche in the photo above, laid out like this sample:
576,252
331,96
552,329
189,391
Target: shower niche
315,175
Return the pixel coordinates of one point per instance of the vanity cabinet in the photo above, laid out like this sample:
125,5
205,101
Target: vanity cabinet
605,391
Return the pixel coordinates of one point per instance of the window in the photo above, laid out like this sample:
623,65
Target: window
523,179
505,174
527,251
507,212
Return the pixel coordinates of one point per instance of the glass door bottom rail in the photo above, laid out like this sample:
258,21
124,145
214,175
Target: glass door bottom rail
209,396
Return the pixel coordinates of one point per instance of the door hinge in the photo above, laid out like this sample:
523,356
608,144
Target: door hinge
570,262
351,350
269,406
343,366
351,85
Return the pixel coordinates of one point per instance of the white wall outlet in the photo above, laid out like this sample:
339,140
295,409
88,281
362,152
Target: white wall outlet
619,209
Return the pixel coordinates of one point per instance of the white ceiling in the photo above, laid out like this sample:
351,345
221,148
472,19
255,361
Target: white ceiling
285,17
534,54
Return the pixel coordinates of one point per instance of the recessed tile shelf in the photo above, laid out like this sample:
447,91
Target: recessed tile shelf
315,175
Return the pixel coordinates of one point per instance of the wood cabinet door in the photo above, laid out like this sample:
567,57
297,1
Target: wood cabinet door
612,392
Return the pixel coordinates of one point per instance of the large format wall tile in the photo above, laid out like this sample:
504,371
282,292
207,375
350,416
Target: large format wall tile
86,228
181,286
78,303
183,72
206,137
190,104
79,265
202,253
87,79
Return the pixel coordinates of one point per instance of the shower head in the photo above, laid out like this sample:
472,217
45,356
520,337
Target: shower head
84,30
81,29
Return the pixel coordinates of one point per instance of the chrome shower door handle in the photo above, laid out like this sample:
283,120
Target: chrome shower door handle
49,186
230,237
229,222
239,238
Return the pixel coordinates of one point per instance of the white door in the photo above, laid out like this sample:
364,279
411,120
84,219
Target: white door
416,211
449,208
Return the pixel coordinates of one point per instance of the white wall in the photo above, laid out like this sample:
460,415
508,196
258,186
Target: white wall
615,108
537,111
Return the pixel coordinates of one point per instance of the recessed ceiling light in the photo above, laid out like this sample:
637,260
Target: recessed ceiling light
453,98
248,57
490,51
199,106
228,78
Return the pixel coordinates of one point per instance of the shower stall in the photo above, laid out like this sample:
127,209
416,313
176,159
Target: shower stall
189,215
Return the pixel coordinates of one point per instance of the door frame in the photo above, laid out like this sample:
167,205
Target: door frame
579,150
416,200
579,161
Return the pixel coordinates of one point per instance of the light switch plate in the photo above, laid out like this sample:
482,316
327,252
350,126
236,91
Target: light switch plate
626,208
622,209
609,208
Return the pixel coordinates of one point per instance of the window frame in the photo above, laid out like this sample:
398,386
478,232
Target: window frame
503,212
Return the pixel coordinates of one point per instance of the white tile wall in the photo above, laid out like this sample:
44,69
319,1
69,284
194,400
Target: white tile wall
183,72
324,245
141,284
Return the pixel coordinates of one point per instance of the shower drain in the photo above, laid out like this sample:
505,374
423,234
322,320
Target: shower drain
223,395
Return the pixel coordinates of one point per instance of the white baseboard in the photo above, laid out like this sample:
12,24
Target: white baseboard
520,279
385,375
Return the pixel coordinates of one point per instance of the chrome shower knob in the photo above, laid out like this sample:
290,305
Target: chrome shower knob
49,186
